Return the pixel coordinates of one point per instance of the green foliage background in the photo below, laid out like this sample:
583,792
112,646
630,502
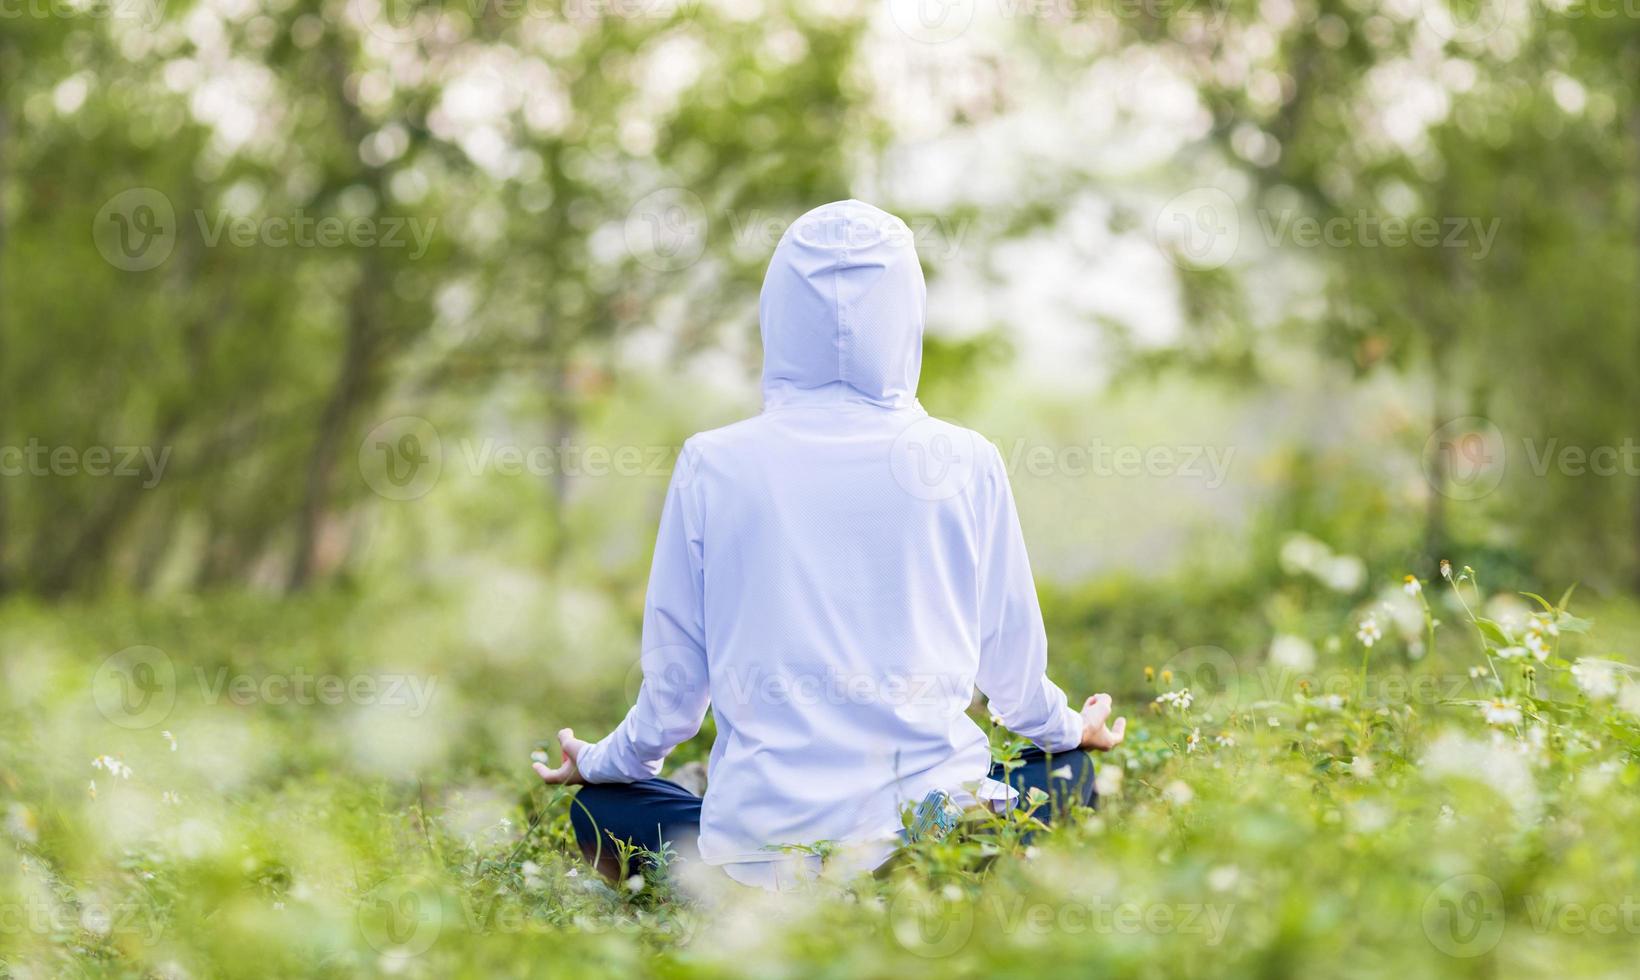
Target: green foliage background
602,184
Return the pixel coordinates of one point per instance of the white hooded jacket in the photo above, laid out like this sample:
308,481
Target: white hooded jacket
836,575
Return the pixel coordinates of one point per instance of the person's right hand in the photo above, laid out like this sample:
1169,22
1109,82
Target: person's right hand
1096,734
567,773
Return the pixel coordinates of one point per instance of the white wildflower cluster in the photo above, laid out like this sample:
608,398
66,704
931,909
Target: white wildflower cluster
1540,631
1180,699
1595,678
1292,653
112,766
1302,554
533,878
22,824
1369,632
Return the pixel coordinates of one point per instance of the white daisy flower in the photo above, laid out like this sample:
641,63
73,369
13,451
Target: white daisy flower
1501,712
1180,699
1537,645
1595,679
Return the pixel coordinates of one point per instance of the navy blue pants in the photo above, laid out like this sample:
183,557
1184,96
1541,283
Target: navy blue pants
658,809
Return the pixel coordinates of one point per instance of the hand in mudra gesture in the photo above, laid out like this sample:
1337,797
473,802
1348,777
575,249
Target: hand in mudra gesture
1096,734
567,773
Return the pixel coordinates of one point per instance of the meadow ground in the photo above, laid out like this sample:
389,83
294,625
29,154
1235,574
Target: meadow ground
340,784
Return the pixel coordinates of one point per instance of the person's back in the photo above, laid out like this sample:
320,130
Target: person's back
836,575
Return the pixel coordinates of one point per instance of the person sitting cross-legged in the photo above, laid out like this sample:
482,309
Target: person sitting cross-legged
834,578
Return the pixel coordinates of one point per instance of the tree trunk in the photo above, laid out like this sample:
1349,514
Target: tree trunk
1631,59
356,379
1435,513
347,394
5,134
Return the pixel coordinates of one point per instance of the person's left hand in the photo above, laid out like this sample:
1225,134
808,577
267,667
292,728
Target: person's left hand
567,774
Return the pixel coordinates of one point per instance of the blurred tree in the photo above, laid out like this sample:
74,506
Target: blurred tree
1496,127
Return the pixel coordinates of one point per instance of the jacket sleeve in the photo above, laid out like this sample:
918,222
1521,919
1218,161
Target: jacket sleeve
1013,656
673,697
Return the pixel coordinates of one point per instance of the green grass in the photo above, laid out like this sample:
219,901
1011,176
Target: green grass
1329,819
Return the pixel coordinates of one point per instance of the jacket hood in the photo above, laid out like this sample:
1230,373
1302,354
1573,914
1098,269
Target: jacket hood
842,309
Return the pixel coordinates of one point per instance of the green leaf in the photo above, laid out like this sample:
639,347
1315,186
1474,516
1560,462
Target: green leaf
1540,600
1573,624
1567,595
1492,631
